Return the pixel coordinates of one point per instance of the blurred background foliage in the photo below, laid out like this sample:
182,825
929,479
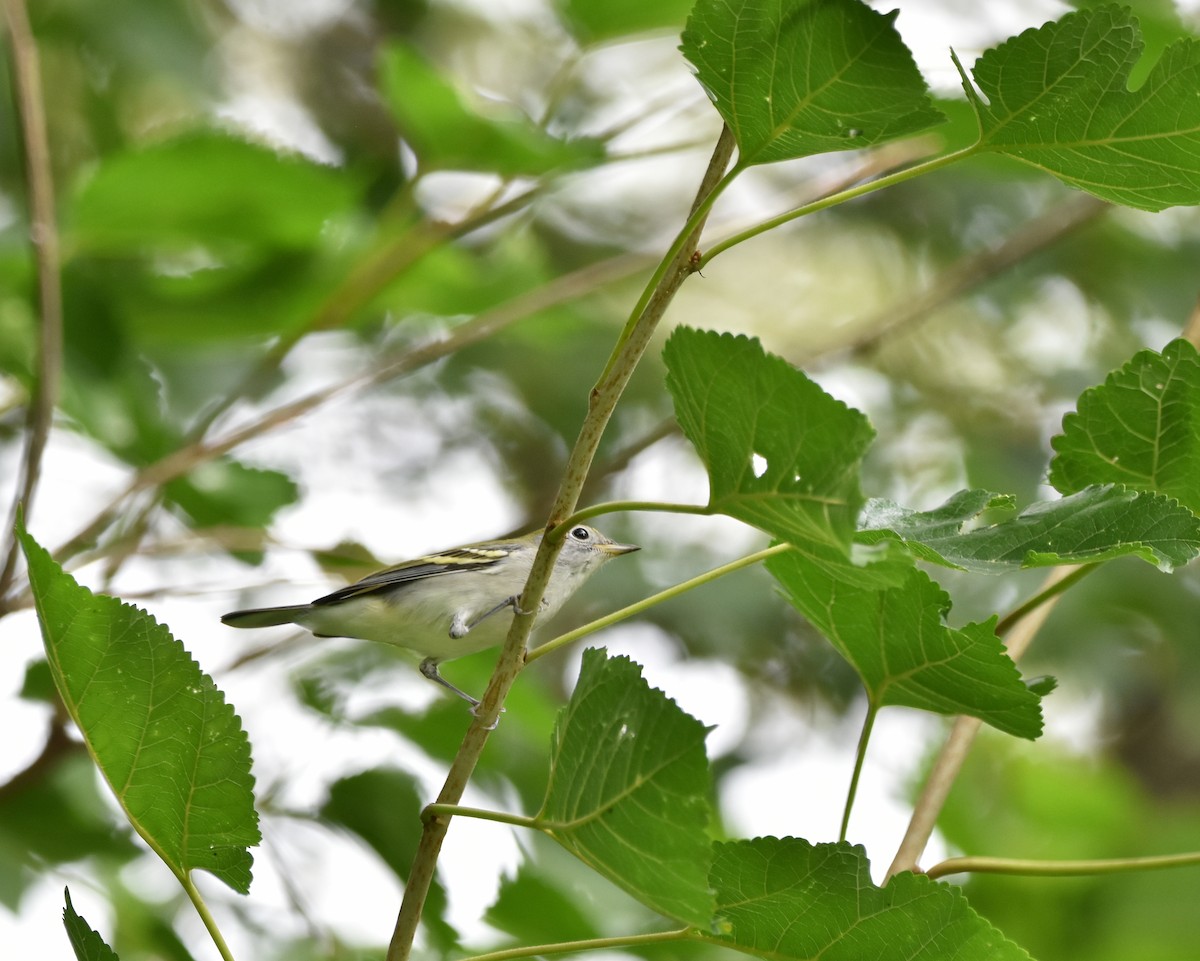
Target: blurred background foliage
422,222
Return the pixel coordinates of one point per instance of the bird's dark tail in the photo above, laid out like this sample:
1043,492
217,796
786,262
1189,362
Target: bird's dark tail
264,616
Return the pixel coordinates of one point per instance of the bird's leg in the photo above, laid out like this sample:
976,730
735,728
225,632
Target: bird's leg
429,668
459,625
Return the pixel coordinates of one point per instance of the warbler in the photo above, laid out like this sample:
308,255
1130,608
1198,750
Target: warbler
445,605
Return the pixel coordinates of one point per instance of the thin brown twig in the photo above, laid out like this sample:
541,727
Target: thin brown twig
975,269
187,458
43,229
958,743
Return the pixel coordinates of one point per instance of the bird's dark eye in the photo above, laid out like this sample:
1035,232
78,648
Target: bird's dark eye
581,534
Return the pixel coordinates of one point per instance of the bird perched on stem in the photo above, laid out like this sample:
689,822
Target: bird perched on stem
448,604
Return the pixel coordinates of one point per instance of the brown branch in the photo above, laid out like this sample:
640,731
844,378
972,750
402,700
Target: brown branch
43,229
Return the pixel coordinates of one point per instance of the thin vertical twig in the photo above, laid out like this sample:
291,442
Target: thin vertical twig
43,235
603,400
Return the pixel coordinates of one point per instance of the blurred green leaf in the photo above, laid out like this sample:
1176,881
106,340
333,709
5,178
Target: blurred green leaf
894,633
1058,97
1140,428
447,134
535,910
781,453
595,22
205,188
169,745
382,806
629,786
789,899
794,78
222,492
61,817
87,943
1096,524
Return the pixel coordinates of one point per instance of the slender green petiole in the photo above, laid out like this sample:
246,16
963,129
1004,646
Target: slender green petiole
601,622
1059,869
860,755
482,814
210,923
834,199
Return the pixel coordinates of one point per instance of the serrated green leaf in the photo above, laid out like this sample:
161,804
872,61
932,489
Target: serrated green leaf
163,736
1096,524
628,790
446,134
1058,98
205,188
1140,428
897,639
784,898
781,454
85,941
794,78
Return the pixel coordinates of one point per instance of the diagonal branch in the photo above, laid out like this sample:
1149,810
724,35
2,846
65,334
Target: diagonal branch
43,229
603,400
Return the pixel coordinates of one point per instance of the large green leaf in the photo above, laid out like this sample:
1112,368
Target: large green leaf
794,78
784,899
446,134
887,619
166,741
629,786
206,188
86,942
1096,524
1058,97
781,453
1140,428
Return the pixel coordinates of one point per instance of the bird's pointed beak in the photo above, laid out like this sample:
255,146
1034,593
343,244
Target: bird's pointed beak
616,549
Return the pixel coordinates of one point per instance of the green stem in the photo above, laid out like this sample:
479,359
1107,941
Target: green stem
612,507
590,944
1061,869
1042,596
890,180
687,235
609,619
860,756
482,814
602,402
210,923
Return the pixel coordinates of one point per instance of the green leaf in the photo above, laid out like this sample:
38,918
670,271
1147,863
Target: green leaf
1140,428
1097,524
781,453
893,632
382,806
793,79
206,188
536,909
1058,98
224,492
789,899
593,22
446,134
168,744
629,786
87,943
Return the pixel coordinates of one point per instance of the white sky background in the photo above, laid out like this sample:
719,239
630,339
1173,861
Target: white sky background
343,500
